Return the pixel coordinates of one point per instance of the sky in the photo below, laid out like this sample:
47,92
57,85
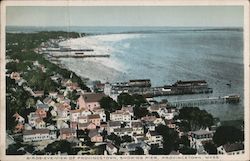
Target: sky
216,16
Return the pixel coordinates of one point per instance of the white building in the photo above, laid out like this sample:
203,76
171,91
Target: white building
231,149
112,125
38,135
111,148
197,137
120,115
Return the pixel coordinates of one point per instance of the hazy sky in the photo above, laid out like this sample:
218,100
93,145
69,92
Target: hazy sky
125,16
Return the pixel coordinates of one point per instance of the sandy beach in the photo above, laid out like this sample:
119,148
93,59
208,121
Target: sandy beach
101,44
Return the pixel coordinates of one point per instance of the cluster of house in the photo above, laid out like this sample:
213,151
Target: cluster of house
88,115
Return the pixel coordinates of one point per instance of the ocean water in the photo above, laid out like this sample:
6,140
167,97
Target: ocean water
166,55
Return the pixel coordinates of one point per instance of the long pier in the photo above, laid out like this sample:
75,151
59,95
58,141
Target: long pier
204,101
81,56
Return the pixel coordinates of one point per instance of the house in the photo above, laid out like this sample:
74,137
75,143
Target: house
53,94
113,125
90,101
131,147
32,119
38,135
73,125
83,119
103,126
19,127
137,127
19,118
199,136
63,110
129,109
123,131
101,113
60,98
66,133
231,149
155,120
170,123
120,115
40,124
15,75
27,127
74,115
39,104
38,93
150,126
154,108
167,113
154,138
86,112
111,148
61,124
48,101
89,126
95,118
41,113
95,136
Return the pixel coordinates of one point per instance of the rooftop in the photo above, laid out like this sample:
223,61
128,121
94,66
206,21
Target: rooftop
94,116
67,130
114,123
123,130
233,147
201,132
36,131
93,97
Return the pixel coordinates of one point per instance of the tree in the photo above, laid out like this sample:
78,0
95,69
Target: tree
195,118
30,102
126,139
140,112
138,151
63,146
170,138
156,151
116,139
14,149
73,95
109,104
125,99
188,151
227,134
210,148
184,141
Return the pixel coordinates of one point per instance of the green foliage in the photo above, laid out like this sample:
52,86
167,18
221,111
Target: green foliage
138,151
108,104
210,148
126,139
15,102
170,138
188,151
227,134
156,151
73,95
63,146
125,99
184,141
14,149
116,139
140,112
196,118
135,100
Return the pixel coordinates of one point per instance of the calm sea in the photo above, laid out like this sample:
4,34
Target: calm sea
166,55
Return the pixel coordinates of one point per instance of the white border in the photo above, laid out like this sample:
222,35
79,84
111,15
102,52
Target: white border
244,3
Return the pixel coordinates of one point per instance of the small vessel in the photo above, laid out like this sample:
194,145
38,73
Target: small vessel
229,84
